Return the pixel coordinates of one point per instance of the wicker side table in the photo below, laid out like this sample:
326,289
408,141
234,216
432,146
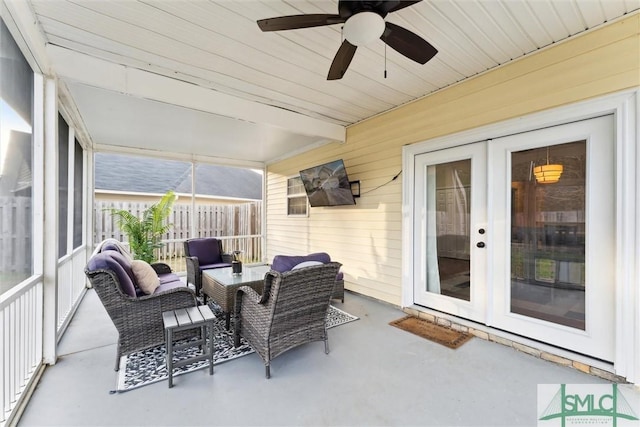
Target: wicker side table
220,284
188,318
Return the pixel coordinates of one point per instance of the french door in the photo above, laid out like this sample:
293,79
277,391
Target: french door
553,256
518,233
450,230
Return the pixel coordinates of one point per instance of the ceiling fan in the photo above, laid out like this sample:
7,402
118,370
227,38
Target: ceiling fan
363,23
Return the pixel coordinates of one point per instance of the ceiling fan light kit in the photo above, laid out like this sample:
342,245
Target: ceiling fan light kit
363,28
363,23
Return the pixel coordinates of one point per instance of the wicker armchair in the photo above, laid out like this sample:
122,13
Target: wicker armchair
291,311
138,319
203,254
284,263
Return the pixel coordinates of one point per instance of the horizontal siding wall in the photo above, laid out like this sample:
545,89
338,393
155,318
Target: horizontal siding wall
366,238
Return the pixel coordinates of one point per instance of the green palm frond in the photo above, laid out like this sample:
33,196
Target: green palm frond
145,233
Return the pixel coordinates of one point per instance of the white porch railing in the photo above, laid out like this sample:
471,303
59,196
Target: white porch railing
21,328
71,285
20,342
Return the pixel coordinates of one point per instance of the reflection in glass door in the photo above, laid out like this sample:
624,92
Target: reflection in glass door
449,226
553,235
448,229
548,187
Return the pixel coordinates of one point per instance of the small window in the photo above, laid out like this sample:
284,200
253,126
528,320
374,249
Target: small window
297,203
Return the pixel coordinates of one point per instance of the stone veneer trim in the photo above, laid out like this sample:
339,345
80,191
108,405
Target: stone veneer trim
532,351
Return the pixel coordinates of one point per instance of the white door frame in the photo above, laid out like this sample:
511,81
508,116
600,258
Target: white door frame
625,107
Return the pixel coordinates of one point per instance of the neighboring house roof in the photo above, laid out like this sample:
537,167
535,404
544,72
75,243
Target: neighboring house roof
132,174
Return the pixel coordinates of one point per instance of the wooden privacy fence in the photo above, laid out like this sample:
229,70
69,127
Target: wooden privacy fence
15,240
238,226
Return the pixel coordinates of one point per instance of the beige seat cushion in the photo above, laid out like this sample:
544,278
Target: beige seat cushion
146,276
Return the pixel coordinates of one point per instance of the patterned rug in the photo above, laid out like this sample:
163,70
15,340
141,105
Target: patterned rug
149,366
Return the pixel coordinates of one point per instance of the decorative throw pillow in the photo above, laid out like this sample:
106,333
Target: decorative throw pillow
306,264
145,275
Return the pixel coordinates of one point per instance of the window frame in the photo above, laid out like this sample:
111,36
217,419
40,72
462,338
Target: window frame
297,195
64,181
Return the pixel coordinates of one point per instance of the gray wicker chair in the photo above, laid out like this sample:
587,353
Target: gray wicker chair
291,311
203,253
138,319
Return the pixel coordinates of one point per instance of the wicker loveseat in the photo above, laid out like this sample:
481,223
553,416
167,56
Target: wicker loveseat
162,269
136,316
291,311
284,263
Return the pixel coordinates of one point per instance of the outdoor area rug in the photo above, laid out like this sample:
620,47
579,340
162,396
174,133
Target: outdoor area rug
149,366
436,333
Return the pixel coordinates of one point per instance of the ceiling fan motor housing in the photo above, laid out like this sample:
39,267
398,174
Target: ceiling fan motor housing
347,9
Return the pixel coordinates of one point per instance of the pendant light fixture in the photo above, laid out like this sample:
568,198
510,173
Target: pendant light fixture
548,174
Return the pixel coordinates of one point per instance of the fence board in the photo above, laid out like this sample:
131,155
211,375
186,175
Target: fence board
239,227
15,236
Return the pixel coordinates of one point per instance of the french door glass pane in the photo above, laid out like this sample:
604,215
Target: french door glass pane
548,233
448,226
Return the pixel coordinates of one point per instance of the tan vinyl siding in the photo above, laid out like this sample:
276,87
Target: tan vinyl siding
367,238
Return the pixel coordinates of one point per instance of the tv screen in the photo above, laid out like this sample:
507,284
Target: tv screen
327,185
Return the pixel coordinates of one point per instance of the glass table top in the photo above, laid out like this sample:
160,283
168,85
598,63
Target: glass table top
250,273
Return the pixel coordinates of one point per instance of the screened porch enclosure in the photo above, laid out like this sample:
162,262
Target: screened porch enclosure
169,100
45,167
212,201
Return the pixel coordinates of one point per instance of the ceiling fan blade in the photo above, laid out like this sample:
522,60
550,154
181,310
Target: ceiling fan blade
407,43
294,22
393,6
341,61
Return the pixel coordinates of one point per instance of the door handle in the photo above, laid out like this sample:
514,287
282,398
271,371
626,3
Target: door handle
480,244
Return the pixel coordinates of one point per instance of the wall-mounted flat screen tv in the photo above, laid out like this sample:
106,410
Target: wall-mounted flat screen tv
327,185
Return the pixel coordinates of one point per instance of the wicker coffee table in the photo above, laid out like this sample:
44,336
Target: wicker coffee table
220,284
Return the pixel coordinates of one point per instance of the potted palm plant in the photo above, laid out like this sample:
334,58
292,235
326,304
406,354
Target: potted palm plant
145,232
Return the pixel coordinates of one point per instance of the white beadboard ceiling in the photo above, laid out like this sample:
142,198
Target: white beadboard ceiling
196,77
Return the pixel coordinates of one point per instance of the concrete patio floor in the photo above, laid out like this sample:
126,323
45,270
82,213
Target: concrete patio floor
375,374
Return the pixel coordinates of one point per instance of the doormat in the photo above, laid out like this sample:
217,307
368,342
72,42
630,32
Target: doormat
436,333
